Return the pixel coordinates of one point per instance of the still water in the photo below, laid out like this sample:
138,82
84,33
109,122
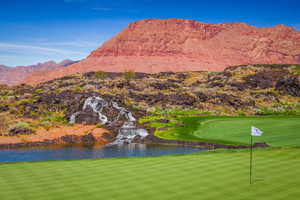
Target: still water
85,152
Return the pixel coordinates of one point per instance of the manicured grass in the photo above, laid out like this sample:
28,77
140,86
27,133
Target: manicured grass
278,130
212,175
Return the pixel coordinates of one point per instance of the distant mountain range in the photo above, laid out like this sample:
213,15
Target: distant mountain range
15,75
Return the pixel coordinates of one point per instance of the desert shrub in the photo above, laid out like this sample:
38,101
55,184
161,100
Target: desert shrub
129,75
78,89
240,112
99,125
282,110
4,123
20,125
49,120
39,91
137,107
100,75
45,124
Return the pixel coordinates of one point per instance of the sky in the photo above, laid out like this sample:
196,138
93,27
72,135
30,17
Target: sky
33,31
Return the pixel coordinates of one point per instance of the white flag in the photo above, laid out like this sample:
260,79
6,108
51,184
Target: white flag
255,131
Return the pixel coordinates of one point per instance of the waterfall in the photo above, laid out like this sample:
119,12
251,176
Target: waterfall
73,118
123,111
126,133
97,104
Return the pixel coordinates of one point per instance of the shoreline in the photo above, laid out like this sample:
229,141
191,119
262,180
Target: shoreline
65,135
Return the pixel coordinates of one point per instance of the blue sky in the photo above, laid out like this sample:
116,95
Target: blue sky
33,31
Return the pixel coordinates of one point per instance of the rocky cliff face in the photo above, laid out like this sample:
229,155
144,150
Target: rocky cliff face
176,45
15,75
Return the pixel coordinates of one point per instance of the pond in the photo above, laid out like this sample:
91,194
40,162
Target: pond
85,152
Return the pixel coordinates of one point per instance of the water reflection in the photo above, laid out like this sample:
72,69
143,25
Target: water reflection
84,152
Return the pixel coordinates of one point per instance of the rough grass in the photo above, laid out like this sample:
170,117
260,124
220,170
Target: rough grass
278,130
213,175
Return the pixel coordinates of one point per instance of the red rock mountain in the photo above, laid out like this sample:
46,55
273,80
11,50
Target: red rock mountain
15,75
155,45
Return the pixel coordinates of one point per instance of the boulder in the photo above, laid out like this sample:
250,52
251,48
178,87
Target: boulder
4,108
90,118
289,85
20,131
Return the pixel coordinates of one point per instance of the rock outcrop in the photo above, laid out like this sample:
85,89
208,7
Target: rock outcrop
98,110
155,45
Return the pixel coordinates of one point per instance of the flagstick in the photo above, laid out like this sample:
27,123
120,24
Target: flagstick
251,152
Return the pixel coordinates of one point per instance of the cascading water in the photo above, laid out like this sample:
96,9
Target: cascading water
97,104
126,133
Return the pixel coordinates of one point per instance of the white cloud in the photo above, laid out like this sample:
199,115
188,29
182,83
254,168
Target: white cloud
71,44
17,47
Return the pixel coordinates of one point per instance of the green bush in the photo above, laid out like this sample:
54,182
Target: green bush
240,113
99,125
20,125
78,89
100,75
45,124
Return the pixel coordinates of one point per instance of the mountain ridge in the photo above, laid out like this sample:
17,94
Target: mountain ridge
176,45
15,75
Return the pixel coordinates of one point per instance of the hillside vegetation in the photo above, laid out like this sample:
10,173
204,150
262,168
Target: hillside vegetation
237,91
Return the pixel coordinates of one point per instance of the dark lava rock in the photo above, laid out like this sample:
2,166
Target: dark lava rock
182,99
90,118
20,131
107,136
4,108
231,100
267,96
163,86
215,84
289,85
64,84
70,139
88,139
264,79
238,85
202,97
76,139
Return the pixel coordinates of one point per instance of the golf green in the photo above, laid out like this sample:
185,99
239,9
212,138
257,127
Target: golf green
212,175
277,130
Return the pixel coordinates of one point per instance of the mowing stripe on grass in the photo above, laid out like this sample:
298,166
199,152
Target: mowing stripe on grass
222,175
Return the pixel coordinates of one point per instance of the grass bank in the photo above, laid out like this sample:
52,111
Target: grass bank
278,130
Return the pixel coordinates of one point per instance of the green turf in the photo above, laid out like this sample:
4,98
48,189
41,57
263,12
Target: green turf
278,130
212,175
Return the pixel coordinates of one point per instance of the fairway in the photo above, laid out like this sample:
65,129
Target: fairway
211,175
278,131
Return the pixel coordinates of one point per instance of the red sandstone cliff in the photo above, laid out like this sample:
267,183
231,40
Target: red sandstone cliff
155,45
